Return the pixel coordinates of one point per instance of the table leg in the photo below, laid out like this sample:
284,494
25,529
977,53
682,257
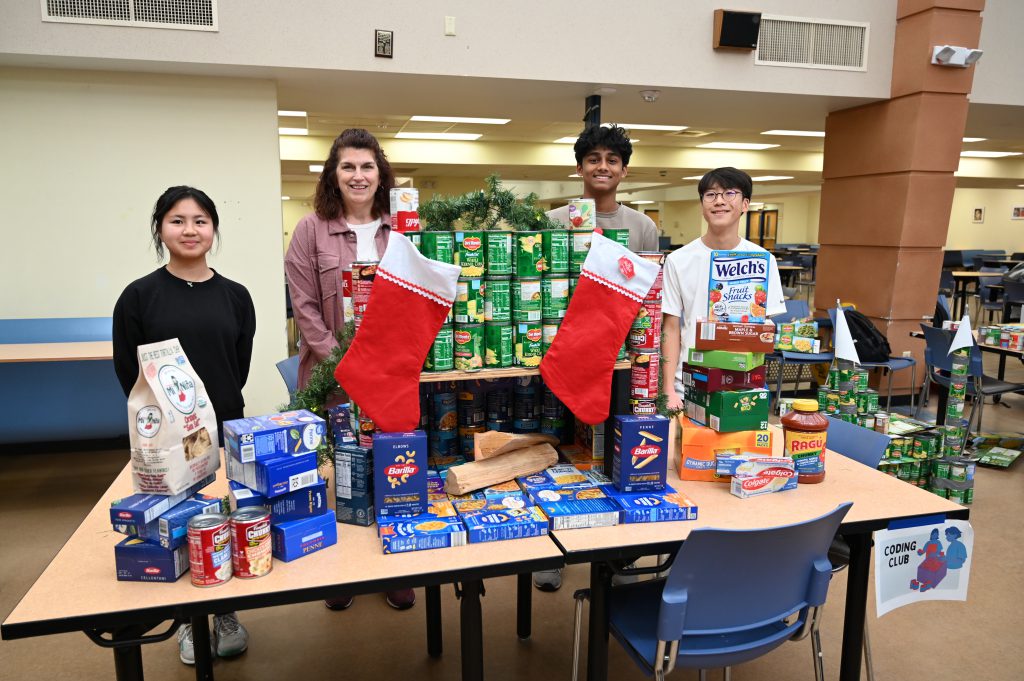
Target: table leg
128,663
597,636
435,643
472,631
127,642
201,647
524,605
959,298
856,605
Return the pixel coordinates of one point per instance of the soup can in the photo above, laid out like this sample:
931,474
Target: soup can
555,247
527,254
554,297
209,549
439,246
363,274
643,407
498,247
644,375
250,540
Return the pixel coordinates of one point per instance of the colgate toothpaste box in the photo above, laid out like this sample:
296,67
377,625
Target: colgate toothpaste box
170,529
639,455
756,476
137,560
298,538
353,484
274,477
141,509
259,438
738,286
713,380
501,524
735,336
400,534
400,473
652,507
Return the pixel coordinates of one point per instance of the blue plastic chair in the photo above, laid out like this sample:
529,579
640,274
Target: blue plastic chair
289,370
856,442
991,299
891,366
709,613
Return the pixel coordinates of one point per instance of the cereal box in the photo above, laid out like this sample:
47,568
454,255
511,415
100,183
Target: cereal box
499,525
652,507
735,336
738,286
701,445
140,509
755,476
353,485
640,453
137,560
400,473
258,438
272,477
725,359
713,380
399,534
170,530
577,508
298,538
729,411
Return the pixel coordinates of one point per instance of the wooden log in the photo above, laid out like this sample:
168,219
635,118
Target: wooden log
475,475
494,443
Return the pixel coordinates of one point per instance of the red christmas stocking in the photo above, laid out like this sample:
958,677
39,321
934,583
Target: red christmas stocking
410,298
578,366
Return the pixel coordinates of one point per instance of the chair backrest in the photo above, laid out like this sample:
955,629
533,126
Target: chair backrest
986,282
712,586
1013,291
289,370
942,312
954,259
857,443
936,351
806,261
795,309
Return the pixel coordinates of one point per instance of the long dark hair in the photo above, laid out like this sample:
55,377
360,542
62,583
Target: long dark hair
328,201
168,200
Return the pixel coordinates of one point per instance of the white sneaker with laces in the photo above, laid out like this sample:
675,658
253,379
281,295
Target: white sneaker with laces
230,636
548,580
186,649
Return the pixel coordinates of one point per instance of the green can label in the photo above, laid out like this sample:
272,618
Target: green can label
498,246
498,299
499,345
823,399
469,347
833,379
529,338
549,329
469,253
439,246
555,247
861,379
580,245
441,357
526,300
416,238
622,353
469,301
619,236
554,297
527,254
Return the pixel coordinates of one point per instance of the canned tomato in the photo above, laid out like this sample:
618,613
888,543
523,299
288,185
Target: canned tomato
209,549
363,274
439,246
556,251
469,301
554,297
441,356
526,300
498,299
499,345
579,246
548,331
528,337
619,236
469,253
498,247
644,375
468,347
250,540
527,252
643,407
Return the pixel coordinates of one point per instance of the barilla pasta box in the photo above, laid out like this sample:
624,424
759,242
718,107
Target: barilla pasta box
501,524
735,336
400,473
171,528
738,286
559,475
297,538
757,476
729,411
240,496
141,509
569,509
400,534
137,560
652,507
339,417
273,477
700,447
726,359
640,453
713,380
258,438
353,485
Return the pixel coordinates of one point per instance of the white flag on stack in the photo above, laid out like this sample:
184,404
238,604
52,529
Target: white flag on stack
963,338
845,347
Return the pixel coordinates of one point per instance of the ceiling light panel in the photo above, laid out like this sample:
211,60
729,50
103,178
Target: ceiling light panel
975,139
795,133
460,119
291,114
989,154
771,178
292,131
739,146
316,169
645,126
443,136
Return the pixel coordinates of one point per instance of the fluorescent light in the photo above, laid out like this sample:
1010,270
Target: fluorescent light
575,175
449,136
316,169
286,198
644,126
795,133
975,139
637,203
742,146
292,131
770,178
291,113
572,140
989,154
694,177
458,119
1020,185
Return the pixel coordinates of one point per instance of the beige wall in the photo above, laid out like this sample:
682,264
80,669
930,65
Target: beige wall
998,231
86,154
798,215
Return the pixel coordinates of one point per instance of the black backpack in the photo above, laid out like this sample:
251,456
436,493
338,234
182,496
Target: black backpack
871,345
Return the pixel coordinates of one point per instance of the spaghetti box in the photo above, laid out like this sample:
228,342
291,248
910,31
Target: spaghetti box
729,411
560,475
240,496
713,380
735,336
501,524
640,453
401,534
141,509
340,419
726,359
171,528
137,560
259,438
570,509
274,477
297,538
738,286
400,473
652,507
353,485
756,476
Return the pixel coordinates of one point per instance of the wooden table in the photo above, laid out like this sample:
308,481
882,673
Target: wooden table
787,272
960,280
877,500
56,352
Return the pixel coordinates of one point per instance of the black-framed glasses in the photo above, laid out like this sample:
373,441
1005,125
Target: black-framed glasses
728,194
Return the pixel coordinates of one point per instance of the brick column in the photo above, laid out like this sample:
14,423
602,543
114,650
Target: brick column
888,179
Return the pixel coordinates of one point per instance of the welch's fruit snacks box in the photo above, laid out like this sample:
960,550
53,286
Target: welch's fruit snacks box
258,438
298,538
738,286
137,560
400,473
170,529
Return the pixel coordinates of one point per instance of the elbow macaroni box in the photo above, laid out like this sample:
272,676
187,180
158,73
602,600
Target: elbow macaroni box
437,528
137,560
729,411
258,438
353,485
274,477
738,286
755,476
652,507
298,538
713,380
501,524
726,359
400,473
570,509
700,447
170,529
640,453
141,509
735,336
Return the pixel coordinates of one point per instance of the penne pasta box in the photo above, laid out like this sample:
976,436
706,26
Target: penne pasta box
735,336
652,507
640,453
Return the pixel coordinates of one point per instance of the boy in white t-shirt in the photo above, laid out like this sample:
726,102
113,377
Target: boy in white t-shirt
725,196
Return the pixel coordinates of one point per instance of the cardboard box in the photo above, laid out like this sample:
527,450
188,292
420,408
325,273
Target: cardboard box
738,286
508,493
652,507
443,463
560,475
140,509
592,438
580,457
713,380
240,496
466,506
137,560
700,445
298,538
435,486
353,485
399,534
273,477
302,503
729,411
400,473
756,476
575,509
736,337
258,438
724,359
171,528
499,525
640,453
339,417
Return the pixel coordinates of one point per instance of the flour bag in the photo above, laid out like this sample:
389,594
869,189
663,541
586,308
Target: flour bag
172,426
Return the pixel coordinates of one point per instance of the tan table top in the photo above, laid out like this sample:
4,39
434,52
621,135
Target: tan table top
970,274
56,352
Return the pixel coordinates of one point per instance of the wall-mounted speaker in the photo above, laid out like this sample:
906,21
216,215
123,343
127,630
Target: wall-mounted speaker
736,30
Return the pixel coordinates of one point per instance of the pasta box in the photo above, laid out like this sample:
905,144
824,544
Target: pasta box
577,508
559,475
140,509
501,524
726,359
729,411
240,496
400,534
340,419
738,286
700,446
170,530
713,380
466,506
273,477
258,438
353,485
302,503
297,538
435,486
755,476
652,507
508,493
735,336
137,560
443,463
400,473
580,457
592,438
640,453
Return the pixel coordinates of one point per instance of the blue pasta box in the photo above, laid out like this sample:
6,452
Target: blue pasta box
170,529
443,463
141,509
504,523
570,509
353,485
559,475
639,455
297,538
274,477
476,505
259,438
302,503
738,286
652,507
400,473
240,496
340,419
435,486
400,534
137,560
506,493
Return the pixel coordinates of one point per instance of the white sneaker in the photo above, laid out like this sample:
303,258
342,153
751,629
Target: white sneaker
231,637
548,580
186,649
619,580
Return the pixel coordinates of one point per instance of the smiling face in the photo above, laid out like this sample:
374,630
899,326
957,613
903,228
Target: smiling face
722,213
187,231
602,170
358,177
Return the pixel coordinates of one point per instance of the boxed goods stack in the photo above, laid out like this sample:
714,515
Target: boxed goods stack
644,347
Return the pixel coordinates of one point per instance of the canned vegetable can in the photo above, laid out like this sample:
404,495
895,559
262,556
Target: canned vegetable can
526,300
439,246
441,356
554,297
469,253
469,347
549,329
499,345
555,250
498,247
580,246
619,236
469,301
527,254
498,299
528,338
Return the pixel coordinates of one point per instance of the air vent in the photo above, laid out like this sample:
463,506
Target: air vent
192,15
812,43
689,133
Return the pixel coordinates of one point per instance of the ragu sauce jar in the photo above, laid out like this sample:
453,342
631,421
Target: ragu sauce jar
804,431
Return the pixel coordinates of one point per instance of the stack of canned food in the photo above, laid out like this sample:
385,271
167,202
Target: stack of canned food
847,397
644,346
1009,337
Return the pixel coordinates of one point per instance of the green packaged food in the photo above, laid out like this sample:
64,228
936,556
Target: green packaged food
439,246
469,301
469,253
498,299
469,347
554,297
529,340
526,300
549,329
440,357
619,236
527,254
580,245
499,345
556,250
498,250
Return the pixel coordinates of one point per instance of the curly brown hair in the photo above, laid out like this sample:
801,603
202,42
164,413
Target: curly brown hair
328,201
